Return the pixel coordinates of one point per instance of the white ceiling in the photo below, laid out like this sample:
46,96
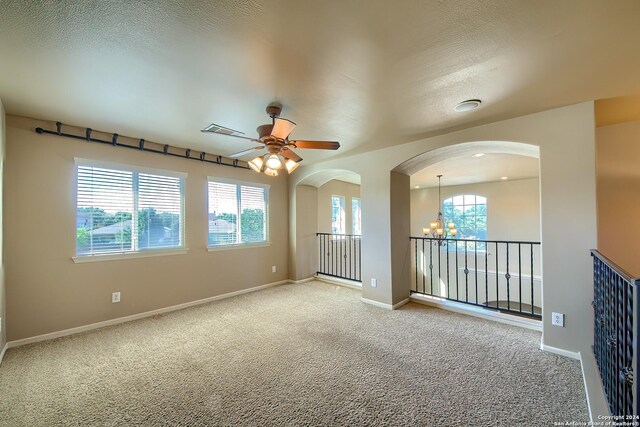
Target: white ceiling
473,170
365,73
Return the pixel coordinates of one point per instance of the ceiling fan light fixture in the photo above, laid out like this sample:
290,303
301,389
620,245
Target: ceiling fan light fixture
273,161
291,165
271,172
256,164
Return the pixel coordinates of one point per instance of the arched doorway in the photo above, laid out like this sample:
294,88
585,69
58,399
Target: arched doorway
326,225
488,252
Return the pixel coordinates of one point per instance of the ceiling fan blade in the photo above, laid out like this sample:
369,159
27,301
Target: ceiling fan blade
282,128
318,145
242,153
221,130
289,154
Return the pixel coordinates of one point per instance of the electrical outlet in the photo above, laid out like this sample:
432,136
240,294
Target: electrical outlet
374,283
557,319
273,268
115,297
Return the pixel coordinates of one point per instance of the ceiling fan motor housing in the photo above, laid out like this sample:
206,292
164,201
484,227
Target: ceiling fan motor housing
274,111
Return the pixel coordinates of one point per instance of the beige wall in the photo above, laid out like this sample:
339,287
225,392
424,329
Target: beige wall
612,111
46,291
400,216
513,207
304,227
618,186
335,188
3,321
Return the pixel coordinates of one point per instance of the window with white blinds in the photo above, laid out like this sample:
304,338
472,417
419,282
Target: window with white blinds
120,209
237,213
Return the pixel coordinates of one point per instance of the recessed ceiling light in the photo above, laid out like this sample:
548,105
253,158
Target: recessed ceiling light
504,178
478,155
417,186
468,105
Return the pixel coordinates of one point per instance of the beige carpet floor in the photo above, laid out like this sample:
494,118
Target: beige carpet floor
293,355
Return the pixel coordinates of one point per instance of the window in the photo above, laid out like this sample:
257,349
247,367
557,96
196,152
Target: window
356,217
338,221
469,213
230,200
120,209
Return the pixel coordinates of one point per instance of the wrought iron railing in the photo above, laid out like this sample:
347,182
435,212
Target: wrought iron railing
615,340
339,255
495,274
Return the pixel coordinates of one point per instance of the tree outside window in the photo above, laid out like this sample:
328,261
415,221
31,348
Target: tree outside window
469,213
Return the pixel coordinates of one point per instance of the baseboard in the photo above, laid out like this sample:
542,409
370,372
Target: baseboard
340,282
400,304
470,310
596,400
385,305
297,282
586,389
111,322
4,350
560,351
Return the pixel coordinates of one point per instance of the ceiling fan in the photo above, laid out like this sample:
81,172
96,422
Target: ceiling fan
274,138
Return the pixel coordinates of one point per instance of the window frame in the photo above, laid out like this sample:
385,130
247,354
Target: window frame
353,218
138,253
239,184
468,243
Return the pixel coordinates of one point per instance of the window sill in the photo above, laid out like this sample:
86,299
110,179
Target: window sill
129,255
237,246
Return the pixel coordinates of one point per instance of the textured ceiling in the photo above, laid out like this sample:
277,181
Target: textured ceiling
473,170
366,73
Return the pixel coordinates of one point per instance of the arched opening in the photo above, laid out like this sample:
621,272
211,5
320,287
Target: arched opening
487,252
327,218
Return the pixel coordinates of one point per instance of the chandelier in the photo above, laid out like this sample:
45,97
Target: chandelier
437,229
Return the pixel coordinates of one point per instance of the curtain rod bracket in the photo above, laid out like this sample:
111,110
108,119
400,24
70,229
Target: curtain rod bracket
58,128
141,144
165,149
202,156
188,153
88,134
114,139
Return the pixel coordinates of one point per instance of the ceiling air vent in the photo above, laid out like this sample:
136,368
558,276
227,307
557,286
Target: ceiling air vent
214,128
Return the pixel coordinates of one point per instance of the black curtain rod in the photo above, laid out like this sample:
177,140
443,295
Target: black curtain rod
140,147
